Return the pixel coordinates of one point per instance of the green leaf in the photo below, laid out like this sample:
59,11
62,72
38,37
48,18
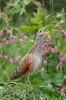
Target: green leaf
36,16
45,76
22,11
50,25
47,16
64,48
59,15
34,20
12,4
15,10
62,22
58,81
28,28
58,76
26,2
64,77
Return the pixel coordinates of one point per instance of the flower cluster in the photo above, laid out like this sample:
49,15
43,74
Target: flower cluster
24,38
60,28
63,89
8,40
7,31
11,60
46,43
47,48
62,57
16,58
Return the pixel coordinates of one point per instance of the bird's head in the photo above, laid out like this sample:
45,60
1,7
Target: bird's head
41,33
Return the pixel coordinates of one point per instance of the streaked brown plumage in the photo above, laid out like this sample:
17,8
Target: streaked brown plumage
32,59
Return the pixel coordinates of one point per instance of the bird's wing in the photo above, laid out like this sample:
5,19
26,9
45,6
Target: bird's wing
24,66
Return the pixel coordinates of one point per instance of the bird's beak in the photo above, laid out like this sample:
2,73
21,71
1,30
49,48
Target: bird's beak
43,28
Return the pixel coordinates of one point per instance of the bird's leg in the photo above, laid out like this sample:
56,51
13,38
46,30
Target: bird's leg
27,79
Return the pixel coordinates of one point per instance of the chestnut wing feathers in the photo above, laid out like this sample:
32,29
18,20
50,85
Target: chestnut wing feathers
24,67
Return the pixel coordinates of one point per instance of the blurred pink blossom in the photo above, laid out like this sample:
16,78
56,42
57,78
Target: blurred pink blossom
58,66
17,57
20,40
1,56
47,48
4,40
6,57
8,31
25,37
13,37
43,69
63,89
53,50
49,37
62,57
46,43
1,32
42,52
58,26
45,57
56,48
45,61
11,60
63,32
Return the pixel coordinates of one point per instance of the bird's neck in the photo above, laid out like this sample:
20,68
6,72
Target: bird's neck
37,47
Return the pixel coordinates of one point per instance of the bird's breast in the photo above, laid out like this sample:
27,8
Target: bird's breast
37,61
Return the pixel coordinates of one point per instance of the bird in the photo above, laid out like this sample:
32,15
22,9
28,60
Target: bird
30,62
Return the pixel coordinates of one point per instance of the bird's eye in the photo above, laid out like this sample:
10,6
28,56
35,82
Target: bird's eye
40,31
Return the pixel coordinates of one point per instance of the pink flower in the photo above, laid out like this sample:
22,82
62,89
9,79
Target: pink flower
13,37
63,32
56,48
6,57
53,50
58,66
45,61
49,37
42,53
58,26
1,56
62,57
11,60
63,89
25,37
8,31
42,69
45,43
46,49
1,32
4,40
17,57
45,57
20,40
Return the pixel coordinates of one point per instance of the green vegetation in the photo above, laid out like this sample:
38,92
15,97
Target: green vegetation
19,22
